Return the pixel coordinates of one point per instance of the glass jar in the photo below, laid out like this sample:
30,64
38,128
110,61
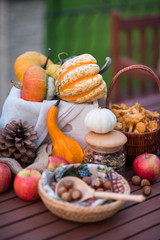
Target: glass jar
106,149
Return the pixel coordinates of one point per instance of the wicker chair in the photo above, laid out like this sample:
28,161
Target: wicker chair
120,25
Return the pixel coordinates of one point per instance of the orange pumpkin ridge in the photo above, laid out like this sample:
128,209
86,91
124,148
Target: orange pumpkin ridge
70,68
85,82
82,95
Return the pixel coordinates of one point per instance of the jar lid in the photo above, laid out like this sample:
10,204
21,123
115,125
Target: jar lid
109,142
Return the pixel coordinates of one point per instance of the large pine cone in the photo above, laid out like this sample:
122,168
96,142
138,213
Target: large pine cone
17,141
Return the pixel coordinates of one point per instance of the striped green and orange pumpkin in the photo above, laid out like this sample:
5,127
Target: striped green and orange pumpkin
79,80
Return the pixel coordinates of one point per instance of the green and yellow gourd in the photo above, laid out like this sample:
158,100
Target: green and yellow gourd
79,80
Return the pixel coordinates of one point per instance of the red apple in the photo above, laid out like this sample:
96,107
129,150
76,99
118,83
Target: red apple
5,177
147,166
26,184
55,161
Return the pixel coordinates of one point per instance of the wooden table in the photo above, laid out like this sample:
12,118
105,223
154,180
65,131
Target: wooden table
20,220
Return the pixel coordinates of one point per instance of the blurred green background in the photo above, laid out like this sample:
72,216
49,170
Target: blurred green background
83,26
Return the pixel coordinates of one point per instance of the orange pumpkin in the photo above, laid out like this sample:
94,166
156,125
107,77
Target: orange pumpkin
27,60
34,84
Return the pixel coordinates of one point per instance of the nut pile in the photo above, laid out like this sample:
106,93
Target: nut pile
98,184
144,183
68,193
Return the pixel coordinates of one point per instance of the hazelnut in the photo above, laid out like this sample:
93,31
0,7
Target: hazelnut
61,190
136,180
107,184
67,184
76,195
98,183
66,196
87,180
145,182
146,190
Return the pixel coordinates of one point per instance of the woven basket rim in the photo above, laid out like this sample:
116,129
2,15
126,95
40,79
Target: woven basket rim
73,206
141,134
70,211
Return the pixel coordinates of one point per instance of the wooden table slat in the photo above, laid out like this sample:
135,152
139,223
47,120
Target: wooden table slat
47,231
154,232
9,194
28,224
22,213
13,204
129,229
122,217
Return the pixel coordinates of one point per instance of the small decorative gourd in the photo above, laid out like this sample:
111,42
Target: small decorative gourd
100,120
27,60
36,85
62,146
79,80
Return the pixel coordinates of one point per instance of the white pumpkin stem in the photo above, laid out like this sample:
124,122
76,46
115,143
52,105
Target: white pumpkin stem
17,85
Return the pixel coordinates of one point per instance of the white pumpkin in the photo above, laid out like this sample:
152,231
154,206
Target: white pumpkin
100,120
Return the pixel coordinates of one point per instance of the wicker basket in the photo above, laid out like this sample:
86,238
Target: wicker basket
138,143
79,213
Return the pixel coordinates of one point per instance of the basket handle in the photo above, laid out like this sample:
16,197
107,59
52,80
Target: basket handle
126,69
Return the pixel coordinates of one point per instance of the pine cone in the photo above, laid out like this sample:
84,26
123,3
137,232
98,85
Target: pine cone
17,141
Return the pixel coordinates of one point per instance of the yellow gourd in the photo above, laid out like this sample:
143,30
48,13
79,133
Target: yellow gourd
62,145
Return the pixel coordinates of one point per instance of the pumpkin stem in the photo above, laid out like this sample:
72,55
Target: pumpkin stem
48,55
106,65
17,85
60,58
57,103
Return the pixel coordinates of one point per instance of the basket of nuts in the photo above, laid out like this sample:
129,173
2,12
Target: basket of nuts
66,202
141,126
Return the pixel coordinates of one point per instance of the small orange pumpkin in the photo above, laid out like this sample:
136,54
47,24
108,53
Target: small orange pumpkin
27,60
34,84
